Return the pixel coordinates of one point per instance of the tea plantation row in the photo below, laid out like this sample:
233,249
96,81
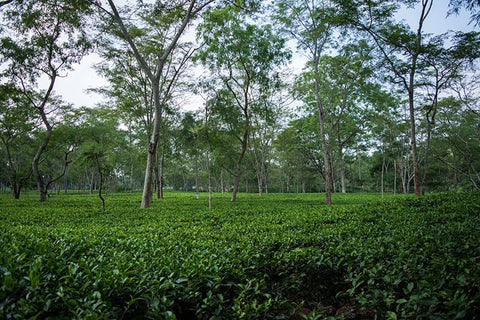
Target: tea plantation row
276,257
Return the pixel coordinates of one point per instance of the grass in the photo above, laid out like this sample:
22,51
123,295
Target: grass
280,256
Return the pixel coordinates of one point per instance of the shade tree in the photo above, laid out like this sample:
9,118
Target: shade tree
101,145
16,126
167,20
442,65
245,58
341,84
50,37
313,25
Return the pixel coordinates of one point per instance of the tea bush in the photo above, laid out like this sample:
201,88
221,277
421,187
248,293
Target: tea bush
277,257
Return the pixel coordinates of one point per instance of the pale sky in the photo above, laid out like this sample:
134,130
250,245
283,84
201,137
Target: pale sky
73,88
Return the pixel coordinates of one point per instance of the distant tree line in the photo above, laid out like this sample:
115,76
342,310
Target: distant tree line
379,106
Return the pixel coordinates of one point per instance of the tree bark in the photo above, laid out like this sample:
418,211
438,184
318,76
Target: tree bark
92,182
394,177
131,173
100,182
383,175
413,141
239,163
35,164
197,191
160,181
207,140
152,148
259,183
325,148
342,171
222,183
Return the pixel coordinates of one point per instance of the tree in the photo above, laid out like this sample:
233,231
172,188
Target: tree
301,150
341,84
401,49
265,126
442,66
100,144
131,94
312,25
16,125
189,138
460,119
169,19
245,57
49,38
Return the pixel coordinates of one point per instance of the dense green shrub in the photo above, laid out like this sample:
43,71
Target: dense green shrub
263,258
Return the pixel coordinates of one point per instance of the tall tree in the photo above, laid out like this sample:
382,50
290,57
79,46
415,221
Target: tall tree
50,37
341,83
170,19
245,57
441,66
265,126
312,25
16,125
100,141
401,48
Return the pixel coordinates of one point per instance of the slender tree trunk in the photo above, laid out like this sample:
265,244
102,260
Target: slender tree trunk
162,168
157,178
65,182
197,191
383,174
342,171
430,117
325,148
15,191
152,148
259,181
425,160
333,178
403,175
426,6
131,173
100,183
263,174
147,185
394,177
288,182
222,183
239,162
209,173
413,142
92,182
35,164
267,177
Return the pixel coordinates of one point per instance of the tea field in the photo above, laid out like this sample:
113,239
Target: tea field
282,256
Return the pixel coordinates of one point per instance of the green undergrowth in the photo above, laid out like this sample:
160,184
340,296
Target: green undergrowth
282,256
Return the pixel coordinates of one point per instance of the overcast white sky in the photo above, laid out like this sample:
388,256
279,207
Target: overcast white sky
73,88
